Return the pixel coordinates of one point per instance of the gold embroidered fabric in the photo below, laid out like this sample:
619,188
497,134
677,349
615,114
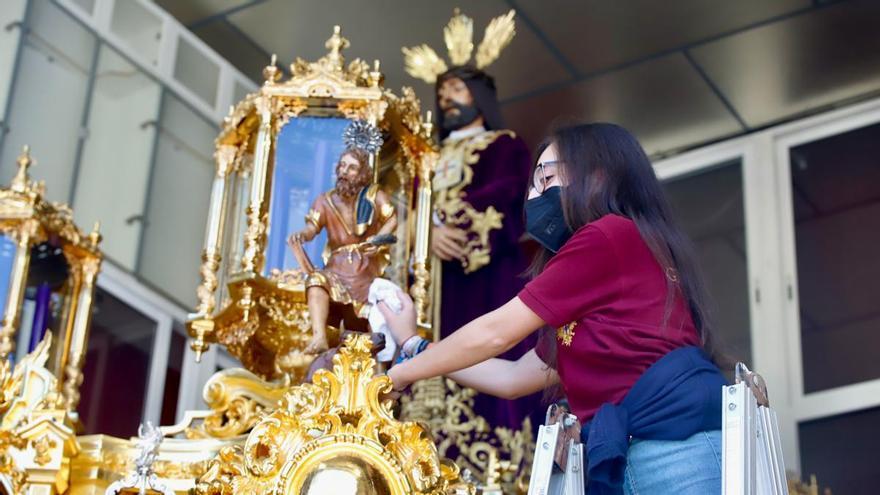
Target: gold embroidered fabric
455,172
500,457
565,333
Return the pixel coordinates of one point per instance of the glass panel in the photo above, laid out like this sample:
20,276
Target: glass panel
709,207
115,166
196,71
11,13
842,452
46,300
87,6
307,150
180,193
55,63
140,28
836,194
117,367
172,377
7,258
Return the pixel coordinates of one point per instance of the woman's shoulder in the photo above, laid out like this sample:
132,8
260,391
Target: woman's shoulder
612,226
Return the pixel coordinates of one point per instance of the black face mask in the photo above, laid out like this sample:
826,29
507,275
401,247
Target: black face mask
545,221
466,114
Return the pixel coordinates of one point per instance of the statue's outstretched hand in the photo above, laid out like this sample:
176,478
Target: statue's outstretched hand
402,324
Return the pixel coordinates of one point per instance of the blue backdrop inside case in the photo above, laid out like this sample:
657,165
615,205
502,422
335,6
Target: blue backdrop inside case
7,258
306,152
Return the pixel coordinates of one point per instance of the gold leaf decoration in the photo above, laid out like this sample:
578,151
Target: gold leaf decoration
422,62
499,34
459,38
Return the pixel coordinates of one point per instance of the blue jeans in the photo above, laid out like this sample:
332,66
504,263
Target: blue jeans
680,467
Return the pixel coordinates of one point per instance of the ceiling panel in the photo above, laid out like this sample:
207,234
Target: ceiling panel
799,64
248,57
190,11
598,34
294,28
664,102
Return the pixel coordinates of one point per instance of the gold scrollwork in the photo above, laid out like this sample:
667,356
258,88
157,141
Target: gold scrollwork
339,418
497,455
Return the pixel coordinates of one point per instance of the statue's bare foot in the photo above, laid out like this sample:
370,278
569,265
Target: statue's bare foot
317,345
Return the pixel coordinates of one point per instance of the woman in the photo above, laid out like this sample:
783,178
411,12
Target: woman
630,343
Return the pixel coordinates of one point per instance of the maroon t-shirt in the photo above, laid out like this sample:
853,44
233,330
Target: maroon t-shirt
605,294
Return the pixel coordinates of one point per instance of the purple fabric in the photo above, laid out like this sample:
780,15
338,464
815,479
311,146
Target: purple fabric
500,180
41,315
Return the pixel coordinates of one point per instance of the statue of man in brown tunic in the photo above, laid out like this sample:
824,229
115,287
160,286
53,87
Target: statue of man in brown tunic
360,220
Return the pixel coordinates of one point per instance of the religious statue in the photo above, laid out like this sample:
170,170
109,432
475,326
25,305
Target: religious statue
359,219
479,187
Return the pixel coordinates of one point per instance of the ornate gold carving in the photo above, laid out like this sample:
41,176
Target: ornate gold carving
206,290
254,239
338,419
499,456
42,449
422,61
10,387
237,399
451,202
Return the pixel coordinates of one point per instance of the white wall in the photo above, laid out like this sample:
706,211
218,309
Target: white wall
46,107
115,167
179,197
12,12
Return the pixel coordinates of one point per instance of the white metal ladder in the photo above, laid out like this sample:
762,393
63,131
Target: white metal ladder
752,461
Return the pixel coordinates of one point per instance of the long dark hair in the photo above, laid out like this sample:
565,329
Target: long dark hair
606,171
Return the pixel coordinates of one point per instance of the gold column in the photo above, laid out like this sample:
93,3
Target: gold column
17,281
211,255
421,252
256,230
79,336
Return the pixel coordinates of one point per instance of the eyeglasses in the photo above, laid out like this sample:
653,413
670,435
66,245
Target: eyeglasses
544,173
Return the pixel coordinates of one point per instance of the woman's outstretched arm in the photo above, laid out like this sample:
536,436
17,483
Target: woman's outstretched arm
508,379
485,337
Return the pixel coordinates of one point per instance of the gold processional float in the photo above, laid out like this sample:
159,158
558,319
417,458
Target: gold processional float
288,423
276,426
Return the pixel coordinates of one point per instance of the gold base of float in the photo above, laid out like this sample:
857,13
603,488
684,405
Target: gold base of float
334,435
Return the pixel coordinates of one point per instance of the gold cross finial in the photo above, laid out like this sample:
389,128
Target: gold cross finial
24,161
336,44
270,72
95,236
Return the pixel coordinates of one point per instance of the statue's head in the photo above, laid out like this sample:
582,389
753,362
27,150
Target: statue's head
464,95
353,172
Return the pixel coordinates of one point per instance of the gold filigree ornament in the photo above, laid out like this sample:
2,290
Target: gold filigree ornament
335,435
37,439
422,61
499,457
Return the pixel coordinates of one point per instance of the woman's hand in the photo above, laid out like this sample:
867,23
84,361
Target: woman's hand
403,324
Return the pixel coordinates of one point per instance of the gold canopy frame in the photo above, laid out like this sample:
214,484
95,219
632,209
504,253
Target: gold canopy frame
28,219
264,321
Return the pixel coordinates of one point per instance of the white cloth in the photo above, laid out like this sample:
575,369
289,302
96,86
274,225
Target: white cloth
383,290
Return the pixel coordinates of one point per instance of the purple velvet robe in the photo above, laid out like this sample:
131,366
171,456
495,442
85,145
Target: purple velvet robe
500,179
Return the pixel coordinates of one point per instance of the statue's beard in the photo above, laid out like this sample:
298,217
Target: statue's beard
466,114
348,188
